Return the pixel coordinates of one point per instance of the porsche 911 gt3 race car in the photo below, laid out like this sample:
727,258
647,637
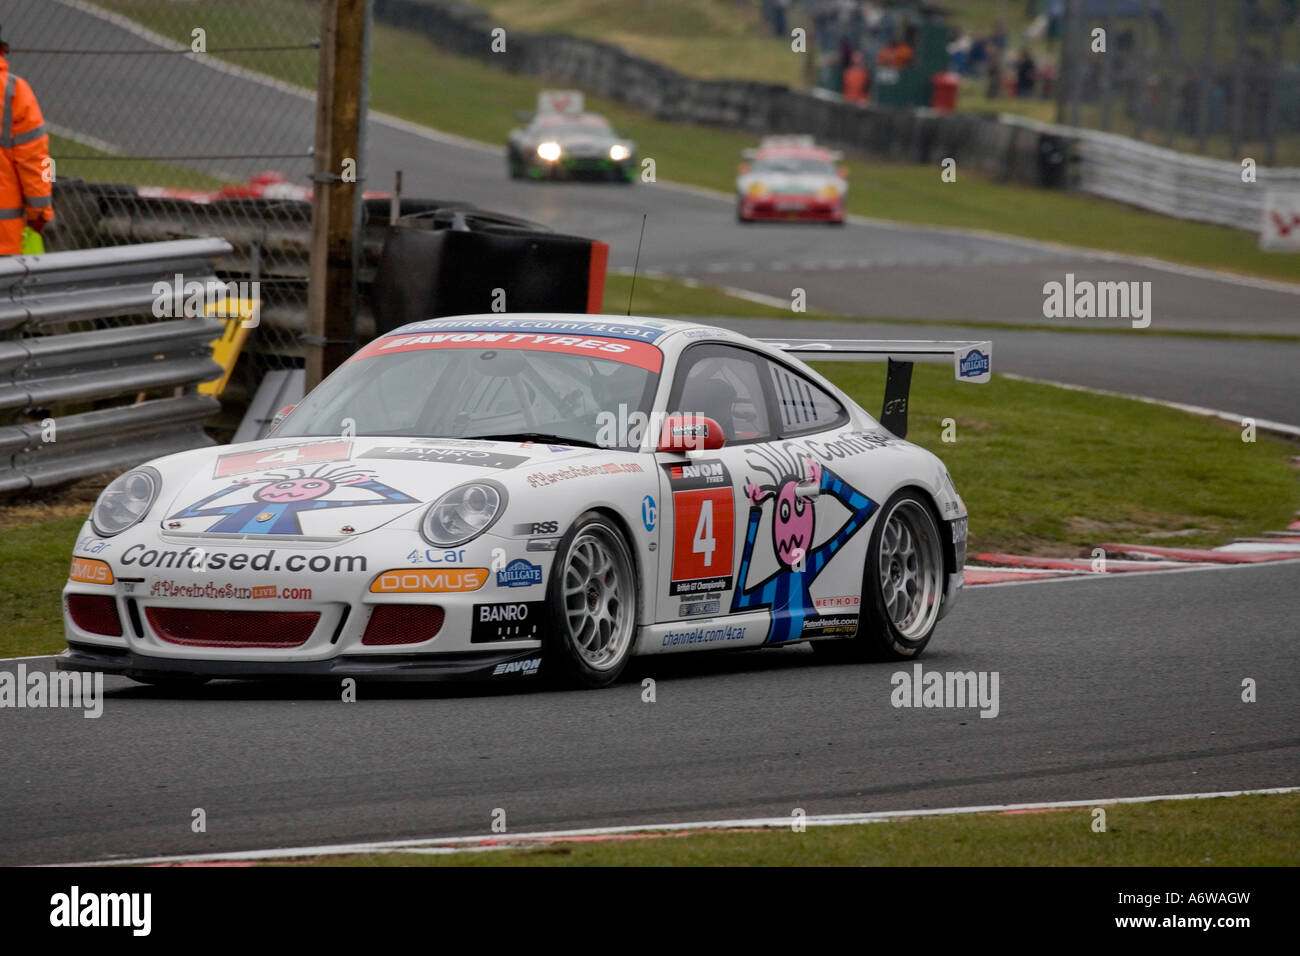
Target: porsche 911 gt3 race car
563,142
513,495
789,177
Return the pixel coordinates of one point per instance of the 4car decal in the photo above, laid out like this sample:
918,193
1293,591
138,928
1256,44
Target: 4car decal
787,591
704,521
278,499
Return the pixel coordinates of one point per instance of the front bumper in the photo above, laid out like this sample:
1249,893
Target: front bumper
584,167
388,667
312,607
778,208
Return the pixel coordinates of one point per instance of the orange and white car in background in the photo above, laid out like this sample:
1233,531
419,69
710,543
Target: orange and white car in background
791,178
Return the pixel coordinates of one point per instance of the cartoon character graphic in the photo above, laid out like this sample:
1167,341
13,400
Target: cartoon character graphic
787,591
280,497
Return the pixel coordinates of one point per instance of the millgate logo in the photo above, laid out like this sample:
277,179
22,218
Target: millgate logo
973,363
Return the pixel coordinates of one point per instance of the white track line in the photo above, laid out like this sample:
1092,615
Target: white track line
1263,424
460,843
1118,575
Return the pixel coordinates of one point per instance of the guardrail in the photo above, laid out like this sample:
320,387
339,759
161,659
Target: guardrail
1165,180
90,381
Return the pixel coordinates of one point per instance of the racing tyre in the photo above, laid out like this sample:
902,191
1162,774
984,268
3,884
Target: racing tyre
902,588
592,599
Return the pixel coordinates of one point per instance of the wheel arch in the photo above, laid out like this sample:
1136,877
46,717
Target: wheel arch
644,595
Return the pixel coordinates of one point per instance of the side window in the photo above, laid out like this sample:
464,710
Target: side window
804,407
725,384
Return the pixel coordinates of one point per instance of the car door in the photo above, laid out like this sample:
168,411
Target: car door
796,510
703,494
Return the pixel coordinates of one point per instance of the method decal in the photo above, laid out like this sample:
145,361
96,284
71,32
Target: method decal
278,499
794,526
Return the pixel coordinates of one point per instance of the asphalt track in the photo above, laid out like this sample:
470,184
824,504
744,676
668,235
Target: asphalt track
1120,686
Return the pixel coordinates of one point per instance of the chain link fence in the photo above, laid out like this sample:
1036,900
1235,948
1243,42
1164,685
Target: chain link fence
174,119
1215,77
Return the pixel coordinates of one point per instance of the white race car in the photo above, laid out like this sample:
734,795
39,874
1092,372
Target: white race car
791,178
513,495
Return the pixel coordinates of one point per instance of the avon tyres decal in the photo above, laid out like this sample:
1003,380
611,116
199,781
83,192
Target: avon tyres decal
641,354
278,498
787,591
704,513
447,456
644,333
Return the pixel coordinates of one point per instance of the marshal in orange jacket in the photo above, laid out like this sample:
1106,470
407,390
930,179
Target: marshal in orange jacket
25,172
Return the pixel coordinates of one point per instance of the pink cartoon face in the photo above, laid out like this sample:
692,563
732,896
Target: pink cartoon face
294,489
792,526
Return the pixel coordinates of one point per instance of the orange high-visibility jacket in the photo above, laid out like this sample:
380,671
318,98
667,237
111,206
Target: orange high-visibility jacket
25,188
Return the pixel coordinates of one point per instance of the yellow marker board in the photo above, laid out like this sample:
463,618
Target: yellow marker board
240,316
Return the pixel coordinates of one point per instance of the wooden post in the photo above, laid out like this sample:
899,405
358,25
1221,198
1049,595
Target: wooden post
331,297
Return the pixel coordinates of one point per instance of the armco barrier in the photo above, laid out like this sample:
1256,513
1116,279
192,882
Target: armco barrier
90,381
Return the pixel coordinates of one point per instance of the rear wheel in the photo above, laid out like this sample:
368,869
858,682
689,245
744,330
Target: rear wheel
593,599
902,589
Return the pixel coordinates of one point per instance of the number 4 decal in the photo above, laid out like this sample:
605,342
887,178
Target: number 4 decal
705,543
703,540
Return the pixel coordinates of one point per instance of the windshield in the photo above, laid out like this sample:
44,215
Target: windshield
447,390
816,167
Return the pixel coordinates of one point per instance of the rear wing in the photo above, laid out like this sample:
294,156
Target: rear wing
971,362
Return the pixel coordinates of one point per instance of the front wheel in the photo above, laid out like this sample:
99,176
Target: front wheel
593,598
902,588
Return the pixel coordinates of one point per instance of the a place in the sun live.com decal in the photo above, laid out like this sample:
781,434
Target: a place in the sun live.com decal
783,433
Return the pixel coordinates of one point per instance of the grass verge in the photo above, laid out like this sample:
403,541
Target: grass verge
1253,830
76,159
413,79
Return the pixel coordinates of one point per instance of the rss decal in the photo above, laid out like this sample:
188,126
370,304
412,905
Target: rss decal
279,498
787,591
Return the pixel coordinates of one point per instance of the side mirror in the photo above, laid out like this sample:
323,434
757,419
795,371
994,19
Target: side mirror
279,417
844,172
744,168
683,433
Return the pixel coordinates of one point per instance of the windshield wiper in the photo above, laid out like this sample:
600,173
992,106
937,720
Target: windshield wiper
537,436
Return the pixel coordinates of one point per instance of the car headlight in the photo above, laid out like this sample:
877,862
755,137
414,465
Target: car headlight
828,192
125,501
618,152
757,191
463,514
549,151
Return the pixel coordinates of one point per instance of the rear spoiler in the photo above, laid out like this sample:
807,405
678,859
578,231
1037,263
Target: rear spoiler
971,362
